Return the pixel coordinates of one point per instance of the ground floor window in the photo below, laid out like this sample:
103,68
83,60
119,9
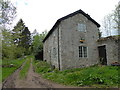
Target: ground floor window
82,51
54,52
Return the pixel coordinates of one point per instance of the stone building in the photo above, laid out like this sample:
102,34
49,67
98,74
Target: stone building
109,50
72,42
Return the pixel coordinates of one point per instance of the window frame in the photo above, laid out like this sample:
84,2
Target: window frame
83,51
81,27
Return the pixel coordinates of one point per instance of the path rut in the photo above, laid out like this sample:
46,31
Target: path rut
33,80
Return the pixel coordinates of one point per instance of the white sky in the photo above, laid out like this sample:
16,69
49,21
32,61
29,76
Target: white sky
42,14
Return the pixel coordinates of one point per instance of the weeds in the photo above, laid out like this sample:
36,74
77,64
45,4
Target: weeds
98,76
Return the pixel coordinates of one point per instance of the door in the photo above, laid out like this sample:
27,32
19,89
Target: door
102,55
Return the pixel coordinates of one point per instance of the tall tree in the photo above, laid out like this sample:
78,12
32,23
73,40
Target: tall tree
117,17
25,41
17,32
7,12
108,24
111,22
22,36
9,49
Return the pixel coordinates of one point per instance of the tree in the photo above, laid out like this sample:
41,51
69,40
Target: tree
117,17
9,49
7,12
37,44
25,41
22,36
111,22
108,24
17,32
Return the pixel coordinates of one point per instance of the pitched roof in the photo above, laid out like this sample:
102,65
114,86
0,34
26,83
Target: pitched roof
66,17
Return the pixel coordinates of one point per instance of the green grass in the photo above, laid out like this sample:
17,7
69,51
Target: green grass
0,61
0,71
94,76
41,66
7,70
23,72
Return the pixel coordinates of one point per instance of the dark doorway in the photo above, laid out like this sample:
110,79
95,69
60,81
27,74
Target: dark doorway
102,55
39,55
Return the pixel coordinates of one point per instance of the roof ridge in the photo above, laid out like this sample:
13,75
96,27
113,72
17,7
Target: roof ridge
70,15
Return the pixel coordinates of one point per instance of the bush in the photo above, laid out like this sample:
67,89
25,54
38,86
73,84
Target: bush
41,66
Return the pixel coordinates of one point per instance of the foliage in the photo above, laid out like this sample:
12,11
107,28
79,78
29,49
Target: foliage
117,17
9,49
37,44
41,66
111,22
17,32
16,43
108,25
22,36
7,12
26,40
7,69
94,76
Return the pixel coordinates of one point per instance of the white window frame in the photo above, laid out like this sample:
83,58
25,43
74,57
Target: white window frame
82,27
82,53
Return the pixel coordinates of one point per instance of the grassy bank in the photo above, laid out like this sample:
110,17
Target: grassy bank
94,76
24,71
9,66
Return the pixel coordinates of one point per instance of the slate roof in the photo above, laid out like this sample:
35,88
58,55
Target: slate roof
66,17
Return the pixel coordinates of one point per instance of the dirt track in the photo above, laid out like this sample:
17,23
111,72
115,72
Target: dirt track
33,80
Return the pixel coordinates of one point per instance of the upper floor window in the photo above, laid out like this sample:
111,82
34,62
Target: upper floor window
81,27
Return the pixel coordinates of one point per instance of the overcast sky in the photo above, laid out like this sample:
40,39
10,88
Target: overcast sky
42,14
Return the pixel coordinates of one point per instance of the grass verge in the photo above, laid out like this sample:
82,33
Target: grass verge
94,76
9,66
24,71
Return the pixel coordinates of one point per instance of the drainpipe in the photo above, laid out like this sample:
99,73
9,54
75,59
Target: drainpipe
58,51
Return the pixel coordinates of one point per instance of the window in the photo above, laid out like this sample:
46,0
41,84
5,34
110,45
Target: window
82,51
81,27
54,52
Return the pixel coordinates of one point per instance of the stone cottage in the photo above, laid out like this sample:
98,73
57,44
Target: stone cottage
72,42
109,50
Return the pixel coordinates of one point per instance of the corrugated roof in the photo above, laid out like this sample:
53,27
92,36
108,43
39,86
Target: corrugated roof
70,15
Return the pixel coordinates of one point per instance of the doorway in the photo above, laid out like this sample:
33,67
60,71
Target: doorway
102,54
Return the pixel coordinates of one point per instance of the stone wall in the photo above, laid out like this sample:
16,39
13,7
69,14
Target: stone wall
50,53
112,48
67,37
70,41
